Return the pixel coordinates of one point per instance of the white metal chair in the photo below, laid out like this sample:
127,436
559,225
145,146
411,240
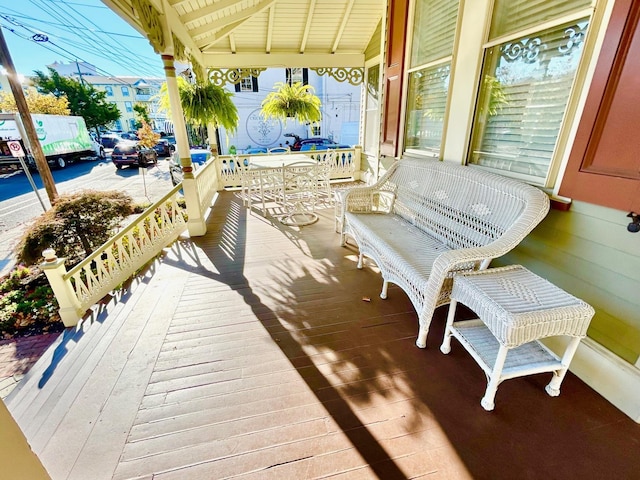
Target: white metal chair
325,167
299,193
265,183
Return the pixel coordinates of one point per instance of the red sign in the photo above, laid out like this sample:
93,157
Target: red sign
16,149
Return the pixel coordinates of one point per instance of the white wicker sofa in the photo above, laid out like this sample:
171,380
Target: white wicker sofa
425,220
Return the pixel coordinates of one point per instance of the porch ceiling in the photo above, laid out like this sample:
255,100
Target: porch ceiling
266,33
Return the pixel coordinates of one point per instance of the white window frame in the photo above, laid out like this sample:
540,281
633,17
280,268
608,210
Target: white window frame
472,28
246,84
560,145
417,151
414,152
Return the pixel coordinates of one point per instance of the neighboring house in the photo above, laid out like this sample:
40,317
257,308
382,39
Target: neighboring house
122,91
340,111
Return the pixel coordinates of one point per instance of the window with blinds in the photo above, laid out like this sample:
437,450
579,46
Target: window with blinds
372,109
525,89
511,16
434,29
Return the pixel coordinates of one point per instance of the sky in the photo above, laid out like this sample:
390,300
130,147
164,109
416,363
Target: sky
75,30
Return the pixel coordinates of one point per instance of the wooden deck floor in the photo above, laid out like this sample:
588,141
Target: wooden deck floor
250,353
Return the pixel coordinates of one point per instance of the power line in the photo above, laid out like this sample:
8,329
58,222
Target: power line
93,48
71,14
79,4
50,23
71,59
43,40
109,53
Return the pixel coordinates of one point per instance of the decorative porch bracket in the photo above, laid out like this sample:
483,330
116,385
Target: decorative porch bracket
354,76
233,76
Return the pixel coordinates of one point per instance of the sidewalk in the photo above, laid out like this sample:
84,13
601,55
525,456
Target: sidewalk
18,355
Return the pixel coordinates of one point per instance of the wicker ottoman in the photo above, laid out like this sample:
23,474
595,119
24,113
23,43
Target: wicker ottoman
515,308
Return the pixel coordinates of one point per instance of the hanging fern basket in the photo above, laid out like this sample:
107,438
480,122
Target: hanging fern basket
295,101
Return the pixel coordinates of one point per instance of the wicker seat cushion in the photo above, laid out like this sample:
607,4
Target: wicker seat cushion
407,252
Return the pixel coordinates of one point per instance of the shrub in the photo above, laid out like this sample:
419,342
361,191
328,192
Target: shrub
27,304
75,225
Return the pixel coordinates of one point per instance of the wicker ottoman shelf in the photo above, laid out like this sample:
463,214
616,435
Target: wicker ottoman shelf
515,308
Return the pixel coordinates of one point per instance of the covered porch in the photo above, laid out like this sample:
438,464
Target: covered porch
250,352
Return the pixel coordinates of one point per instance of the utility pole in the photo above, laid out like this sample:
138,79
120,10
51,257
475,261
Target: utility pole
27,122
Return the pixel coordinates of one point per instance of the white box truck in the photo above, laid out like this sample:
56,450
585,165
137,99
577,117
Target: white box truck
64,139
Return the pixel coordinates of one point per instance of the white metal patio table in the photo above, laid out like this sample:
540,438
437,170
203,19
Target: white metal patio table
515,309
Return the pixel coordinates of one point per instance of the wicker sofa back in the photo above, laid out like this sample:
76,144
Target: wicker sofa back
425,220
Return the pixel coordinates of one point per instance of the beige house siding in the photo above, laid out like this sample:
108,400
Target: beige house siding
588,252
373,49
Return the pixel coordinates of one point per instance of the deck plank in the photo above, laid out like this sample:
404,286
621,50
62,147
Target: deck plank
256,357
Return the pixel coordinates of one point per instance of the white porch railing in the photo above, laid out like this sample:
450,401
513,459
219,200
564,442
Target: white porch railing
160,225
207,185
346,166
117,259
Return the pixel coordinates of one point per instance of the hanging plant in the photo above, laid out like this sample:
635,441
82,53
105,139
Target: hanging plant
292,101
203,103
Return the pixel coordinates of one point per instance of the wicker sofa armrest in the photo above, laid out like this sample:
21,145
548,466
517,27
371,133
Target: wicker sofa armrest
369,200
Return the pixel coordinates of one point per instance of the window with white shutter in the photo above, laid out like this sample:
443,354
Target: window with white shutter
434,29
526,85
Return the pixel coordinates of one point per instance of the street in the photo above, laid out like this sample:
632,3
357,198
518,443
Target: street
19,205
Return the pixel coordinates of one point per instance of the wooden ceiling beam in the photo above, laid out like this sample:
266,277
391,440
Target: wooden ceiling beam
210,28
211,40
272,17
208,11
307,26
343,25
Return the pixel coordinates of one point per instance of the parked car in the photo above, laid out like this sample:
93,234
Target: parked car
110,140
132,153
319,143
130,136
163,148
199,157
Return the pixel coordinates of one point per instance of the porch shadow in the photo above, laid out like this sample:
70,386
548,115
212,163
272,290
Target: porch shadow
225,249
356,355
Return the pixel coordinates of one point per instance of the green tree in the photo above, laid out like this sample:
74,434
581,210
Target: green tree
84,100
142,114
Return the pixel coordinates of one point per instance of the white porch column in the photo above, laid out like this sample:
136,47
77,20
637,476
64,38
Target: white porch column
196,223
53,267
